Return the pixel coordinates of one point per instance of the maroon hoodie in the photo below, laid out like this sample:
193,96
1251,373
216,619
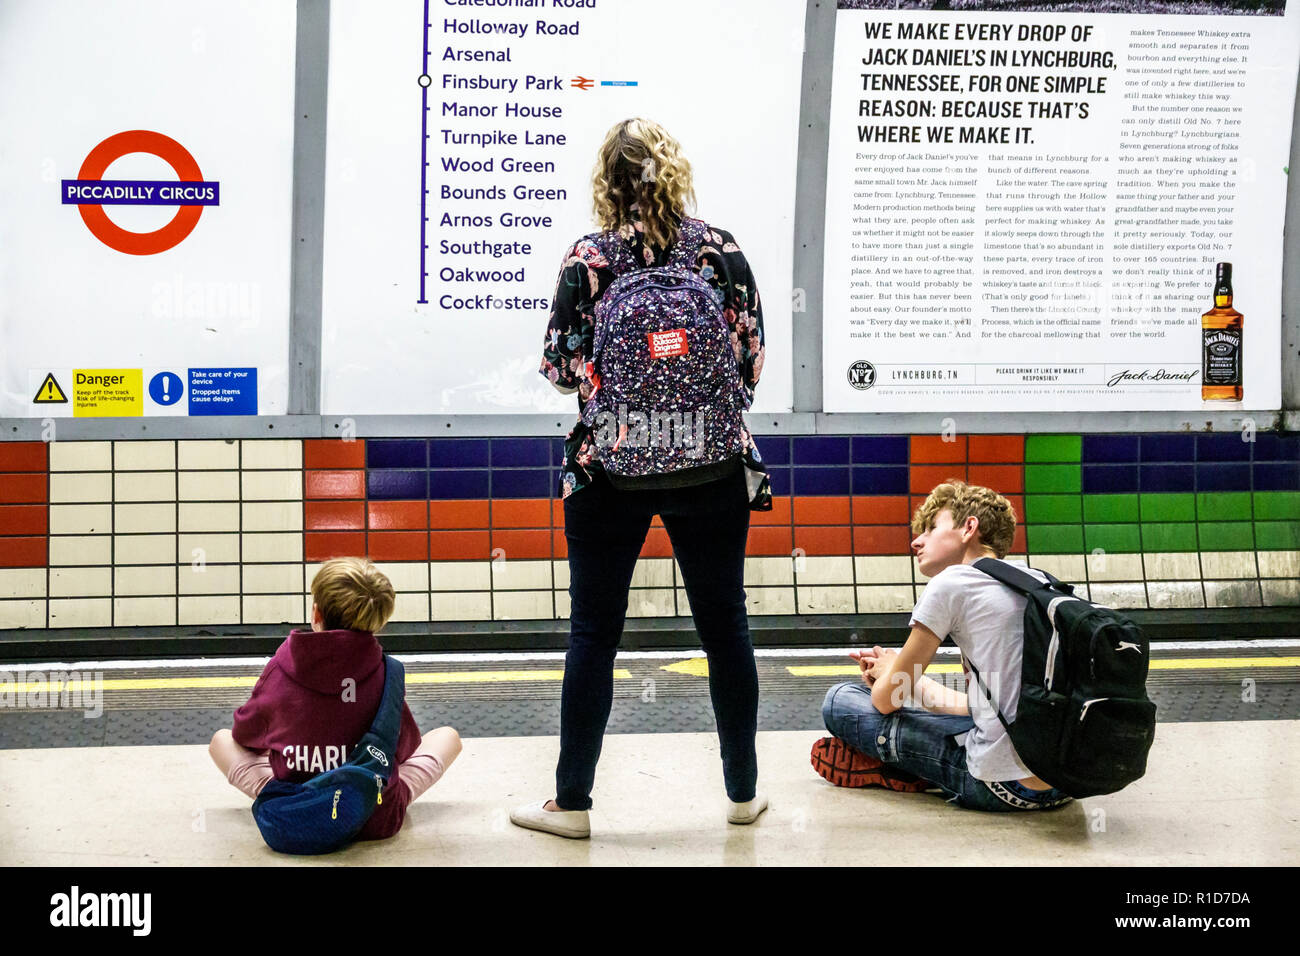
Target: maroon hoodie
299,711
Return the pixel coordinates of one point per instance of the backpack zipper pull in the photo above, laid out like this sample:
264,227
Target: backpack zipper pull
379,783
334,813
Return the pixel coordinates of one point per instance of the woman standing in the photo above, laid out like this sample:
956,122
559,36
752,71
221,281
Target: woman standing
642,184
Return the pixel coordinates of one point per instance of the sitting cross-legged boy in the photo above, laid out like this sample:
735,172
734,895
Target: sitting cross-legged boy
319,695
904,731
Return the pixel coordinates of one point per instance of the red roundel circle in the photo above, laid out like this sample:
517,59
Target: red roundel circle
113,235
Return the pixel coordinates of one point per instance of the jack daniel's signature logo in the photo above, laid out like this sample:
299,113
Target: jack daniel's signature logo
1149,375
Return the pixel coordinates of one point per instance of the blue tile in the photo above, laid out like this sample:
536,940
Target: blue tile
1110,479
775,449
1277,446
821,451
1110,448
557,452
521,452
388,485
1168,447
1277,476
1223,477
458,453
522,483
1228,447
780,478
821,481
880,481
1167,477
880,450
401,453
458,484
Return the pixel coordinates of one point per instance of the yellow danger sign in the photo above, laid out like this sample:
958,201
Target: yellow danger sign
50,391
107,392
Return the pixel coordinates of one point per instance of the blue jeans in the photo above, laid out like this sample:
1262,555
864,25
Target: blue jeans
605,528
925,744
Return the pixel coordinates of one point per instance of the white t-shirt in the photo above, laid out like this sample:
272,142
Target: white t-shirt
986,620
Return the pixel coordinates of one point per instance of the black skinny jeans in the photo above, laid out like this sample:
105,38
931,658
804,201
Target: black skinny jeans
708,525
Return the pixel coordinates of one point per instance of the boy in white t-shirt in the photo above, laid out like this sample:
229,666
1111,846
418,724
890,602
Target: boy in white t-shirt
904,731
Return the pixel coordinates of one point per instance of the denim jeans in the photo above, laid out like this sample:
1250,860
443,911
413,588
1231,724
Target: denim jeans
925,744
708,526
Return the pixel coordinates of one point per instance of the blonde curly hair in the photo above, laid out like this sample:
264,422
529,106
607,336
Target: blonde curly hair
640,164
352,594
996,516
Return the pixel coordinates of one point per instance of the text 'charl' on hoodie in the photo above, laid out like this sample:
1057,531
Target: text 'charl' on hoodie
315,699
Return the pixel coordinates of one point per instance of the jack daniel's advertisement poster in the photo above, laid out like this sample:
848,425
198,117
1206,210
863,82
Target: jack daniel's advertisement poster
1057,205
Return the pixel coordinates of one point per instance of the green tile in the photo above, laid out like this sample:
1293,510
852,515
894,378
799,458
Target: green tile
1112,538
1226,535
1169,537
1277,504
1277,535
1053,509
1169,508
1047,479
1103,509
1054,538
1223,506
1054,448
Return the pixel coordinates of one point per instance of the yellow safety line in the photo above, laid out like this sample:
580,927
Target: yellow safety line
1166,664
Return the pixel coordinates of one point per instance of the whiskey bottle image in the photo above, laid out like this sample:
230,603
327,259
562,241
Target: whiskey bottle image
1221,329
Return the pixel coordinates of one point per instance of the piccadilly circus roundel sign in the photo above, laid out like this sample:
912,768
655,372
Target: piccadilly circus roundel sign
189,192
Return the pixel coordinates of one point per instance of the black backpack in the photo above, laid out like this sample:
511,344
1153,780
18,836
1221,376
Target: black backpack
1084,722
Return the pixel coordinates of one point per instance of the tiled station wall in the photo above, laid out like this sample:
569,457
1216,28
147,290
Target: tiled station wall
192,532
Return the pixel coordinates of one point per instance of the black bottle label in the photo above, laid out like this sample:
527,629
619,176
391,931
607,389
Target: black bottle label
1221,357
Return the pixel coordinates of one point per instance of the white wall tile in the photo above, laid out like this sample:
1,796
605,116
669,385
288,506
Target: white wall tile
80,582
562,605
22,582
15,614
80,487
826,600
648,602
1172,566
1067,567
215,548
272,516
650,573
879,569
273,579
140,518
411,607
211,516
404,575
1279,564
144,549
1119,595
1115,567
144,580
147,612
81,519
81,612
822,569
461,606
81,456
271,486
207,454
271,453
207,610
210,579
208,486
1175,593
1228,564
769,571
81,549
1232,593
516,575
521,605
1281,592
460,576
274,609
885,599
773,600
144,456
280,546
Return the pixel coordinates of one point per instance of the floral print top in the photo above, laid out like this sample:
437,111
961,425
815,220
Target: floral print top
585,275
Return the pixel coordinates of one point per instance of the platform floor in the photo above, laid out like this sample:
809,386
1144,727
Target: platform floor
1216,794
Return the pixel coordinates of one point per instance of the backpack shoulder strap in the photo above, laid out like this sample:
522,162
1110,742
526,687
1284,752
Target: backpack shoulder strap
690,236
387,724
1018,580
987,695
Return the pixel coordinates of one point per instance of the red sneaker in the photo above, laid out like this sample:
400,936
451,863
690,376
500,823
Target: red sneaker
845,767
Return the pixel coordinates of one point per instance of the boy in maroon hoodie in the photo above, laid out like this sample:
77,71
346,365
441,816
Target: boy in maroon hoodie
319,694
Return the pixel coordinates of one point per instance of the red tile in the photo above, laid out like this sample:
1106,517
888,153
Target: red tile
333,453
781,513
1001,478
932,448
1018,545
823,541
880,509
924,478
23,456
395,515
469,513
522,545
1018,506
323,545
23,552
24,519
459,545
522,513
882,540
334,484
398,546
334,515
1008,449
819,509
770,541
21,489
657,544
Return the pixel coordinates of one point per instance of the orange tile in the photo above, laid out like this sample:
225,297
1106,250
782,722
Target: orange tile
323,545
1009,449
882,539
24,519
23,552
820,509
932,448
923,478
557,513
333,515
522,545
522,513
781,513
880,509
334,484
22,489
459,545
398,546
22,456
333,453
467,513
1018,506
657,544
399,515
560,543
823,541
1001,478
770,541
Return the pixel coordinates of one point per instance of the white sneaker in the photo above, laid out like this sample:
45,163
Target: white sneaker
746,812
575,824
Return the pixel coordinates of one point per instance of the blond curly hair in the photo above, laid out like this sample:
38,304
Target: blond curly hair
996,516
640,164
352,594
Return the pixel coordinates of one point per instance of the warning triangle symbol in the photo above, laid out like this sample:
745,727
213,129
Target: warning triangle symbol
50,391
